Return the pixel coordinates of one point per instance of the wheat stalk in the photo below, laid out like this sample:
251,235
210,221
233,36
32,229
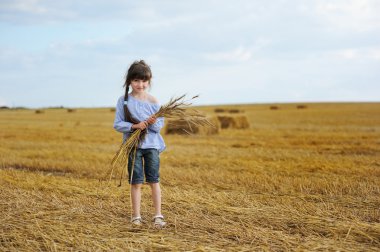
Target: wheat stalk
177,108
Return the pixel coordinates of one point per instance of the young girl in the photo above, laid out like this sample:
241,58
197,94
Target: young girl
134,111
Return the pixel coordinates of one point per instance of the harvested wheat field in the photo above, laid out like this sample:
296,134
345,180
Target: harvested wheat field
296,179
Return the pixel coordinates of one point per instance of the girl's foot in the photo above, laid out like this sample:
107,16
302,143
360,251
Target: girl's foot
136,221
159,222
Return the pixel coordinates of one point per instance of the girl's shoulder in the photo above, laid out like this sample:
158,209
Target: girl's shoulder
121,99
152,99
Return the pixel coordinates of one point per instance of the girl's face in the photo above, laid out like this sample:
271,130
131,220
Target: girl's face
139,86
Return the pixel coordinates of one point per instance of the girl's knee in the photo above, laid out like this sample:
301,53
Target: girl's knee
156,184
136,186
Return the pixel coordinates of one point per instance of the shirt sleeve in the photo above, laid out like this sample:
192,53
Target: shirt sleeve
119,123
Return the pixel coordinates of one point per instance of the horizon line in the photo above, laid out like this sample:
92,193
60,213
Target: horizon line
197,105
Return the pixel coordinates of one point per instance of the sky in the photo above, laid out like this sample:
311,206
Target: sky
76,53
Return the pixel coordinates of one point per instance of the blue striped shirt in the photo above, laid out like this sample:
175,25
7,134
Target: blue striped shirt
141,111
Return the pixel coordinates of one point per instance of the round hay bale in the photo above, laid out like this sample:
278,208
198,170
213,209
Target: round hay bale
301,106
211,130
240,122
183,128
273,107
225,121
71,110
233,122
219,110
234,111
112,109
39,111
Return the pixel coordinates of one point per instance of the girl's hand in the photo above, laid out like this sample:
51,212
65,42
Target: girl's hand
151,120
141,125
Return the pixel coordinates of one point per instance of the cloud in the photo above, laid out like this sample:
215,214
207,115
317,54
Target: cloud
270,50
24,6
4,102
368,53
347,54
355,15
147,13
34,12
238,54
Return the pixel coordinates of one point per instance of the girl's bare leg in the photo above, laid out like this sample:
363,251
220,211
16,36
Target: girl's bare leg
156,197
136,199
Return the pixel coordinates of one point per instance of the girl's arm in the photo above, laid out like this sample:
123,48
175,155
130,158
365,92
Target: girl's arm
155,124
141,125
120,124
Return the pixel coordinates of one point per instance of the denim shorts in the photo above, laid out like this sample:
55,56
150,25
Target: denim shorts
147,162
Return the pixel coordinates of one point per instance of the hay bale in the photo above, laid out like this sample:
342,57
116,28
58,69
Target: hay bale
225,121
301,106
112,109
39,111
241,122
234,111
239,146
273,107
231,111
71,110
233,122
182,128
219,110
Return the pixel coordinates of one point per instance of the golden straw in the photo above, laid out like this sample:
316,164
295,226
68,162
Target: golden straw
177,108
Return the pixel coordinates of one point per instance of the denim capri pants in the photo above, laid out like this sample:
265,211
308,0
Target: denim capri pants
147,162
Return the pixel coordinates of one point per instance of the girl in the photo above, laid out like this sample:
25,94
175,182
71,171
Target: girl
134,111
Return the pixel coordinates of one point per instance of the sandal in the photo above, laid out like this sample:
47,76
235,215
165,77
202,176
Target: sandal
136,221
159,222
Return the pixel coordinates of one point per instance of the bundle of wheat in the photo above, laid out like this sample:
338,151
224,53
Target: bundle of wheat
233,122
177,108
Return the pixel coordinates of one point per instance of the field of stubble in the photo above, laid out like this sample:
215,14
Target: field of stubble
298,179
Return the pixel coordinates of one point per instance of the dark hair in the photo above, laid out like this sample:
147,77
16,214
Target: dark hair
139,70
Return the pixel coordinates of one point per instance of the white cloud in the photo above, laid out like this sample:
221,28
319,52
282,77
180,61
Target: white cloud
238,54
35,11
4,102
374,53
347,54
356,15
370,53
24,6
270,50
